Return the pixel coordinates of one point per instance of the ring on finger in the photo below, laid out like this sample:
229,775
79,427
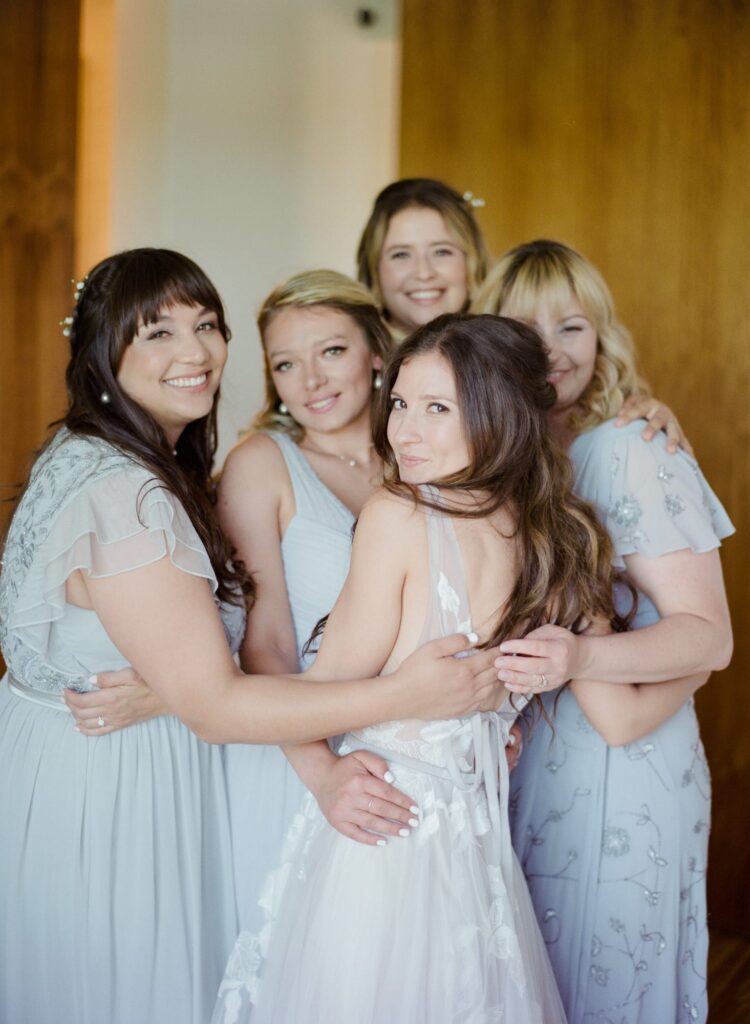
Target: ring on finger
100,722
369,804
542,681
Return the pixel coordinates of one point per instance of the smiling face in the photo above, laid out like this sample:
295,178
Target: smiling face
321,366
421,270
425,427
570,338
173,367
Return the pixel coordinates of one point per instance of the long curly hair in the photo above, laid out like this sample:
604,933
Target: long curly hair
120,294
564,554
514,286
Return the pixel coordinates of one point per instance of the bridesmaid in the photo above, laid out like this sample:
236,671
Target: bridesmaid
324,345
611,827
422,254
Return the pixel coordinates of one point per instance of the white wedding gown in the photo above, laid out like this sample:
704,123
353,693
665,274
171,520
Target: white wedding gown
434,929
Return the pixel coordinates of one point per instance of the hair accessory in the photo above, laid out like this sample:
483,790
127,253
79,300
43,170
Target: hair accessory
472,200
283,409
104,398
377,381
66,325
78,287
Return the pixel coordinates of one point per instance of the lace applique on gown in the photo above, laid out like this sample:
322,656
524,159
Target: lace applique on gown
434,929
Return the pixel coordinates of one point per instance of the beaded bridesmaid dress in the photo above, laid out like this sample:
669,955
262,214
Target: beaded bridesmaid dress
116,895
438,929
264,791
614,840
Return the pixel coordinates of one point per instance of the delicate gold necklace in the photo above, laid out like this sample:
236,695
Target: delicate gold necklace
348,459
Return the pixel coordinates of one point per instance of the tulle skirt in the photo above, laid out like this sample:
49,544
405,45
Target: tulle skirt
423,931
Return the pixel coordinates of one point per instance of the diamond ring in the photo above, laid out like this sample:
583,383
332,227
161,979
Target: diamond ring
100,722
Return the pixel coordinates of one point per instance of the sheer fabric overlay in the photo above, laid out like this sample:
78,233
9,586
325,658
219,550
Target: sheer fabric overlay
437,927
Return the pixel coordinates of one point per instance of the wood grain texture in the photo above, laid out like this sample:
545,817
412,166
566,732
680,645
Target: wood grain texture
624,130
38,74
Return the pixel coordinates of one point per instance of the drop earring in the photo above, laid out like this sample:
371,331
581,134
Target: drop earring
377,381
104,398
283,409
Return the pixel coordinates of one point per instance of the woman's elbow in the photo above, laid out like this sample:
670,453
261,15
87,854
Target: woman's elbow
724,650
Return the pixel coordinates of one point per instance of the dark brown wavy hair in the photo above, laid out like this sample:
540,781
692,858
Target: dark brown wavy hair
500,369
120,294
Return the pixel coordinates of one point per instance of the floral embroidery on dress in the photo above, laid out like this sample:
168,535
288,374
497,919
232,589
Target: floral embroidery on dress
673,504
626,512
615,841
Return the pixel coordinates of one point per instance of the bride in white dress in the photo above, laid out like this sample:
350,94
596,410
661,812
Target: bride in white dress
471,532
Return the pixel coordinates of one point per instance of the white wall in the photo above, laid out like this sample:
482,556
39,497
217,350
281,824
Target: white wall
252,135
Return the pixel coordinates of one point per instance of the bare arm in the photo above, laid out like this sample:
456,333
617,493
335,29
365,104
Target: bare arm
166,624
254,493
362,628
693,636
622,714
253,487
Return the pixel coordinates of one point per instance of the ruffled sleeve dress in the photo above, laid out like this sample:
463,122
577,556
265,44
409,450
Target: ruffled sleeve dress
614,840
116,891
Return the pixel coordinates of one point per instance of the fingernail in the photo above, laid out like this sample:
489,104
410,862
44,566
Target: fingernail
77,728
404,832
511,740
414,809
389,777
381,842
505,676
472,637
92,680
413,822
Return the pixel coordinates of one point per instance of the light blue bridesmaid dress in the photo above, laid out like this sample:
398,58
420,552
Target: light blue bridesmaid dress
614,840
264,791
116,896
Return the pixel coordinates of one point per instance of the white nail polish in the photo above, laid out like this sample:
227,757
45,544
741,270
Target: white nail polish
389,777
381,842
404,832
414,809
511,740
472,637
413,822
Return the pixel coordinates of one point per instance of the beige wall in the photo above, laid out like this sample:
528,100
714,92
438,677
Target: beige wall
252,135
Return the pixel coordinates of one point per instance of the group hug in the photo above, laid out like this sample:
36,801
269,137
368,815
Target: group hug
390,721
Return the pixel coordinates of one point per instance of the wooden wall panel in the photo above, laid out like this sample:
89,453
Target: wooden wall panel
38,76
624,130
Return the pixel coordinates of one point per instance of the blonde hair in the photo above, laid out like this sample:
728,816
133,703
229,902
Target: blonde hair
513,288
435,195
316,288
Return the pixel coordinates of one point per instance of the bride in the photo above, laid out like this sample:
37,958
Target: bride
476,529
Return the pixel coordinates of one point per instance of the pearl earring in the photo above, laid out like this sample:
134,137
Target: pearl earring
283,409
377,381
104,398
